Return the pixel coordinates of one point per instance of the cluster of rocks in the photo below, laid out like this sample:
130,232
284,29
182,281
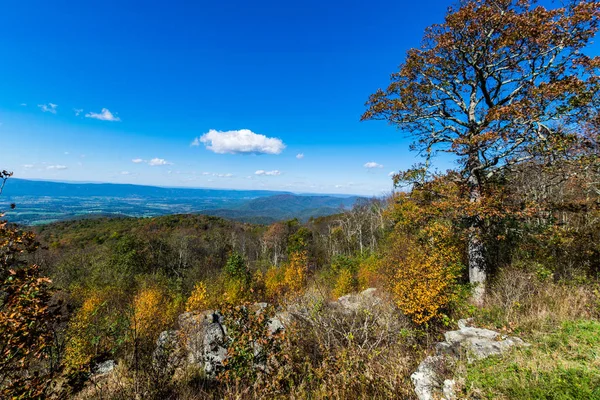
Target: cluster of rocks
470,342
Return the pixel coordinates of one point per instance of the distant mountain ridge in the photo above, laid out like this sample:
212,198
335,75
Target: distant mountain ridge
286,206
40,202
24,187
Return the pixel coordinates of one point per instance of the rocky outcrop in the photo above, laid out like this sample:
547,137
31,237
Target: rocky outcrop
201,336
200,340
474,343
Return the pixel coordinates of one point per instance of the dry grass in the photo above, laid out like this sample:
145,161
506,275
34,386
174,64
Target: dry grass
522,302
559,320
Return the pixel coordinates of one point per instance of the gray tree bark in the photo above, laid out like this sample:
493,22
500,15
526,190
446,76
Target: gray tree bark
476,248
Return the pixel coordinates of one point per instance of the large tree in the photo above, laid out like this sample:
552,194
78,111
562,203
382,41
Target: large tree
492,84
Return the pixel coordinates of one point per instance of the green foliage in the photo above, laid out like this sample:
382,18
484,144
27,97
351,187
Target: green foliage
299,241
236,268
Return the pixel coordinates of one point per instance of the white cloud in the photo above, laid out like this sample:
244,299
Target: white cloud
267,173
242,141
28,166
24,104
50,107
104,115
58,167
300,156
67,153
217,175
372,164
155,162
125,173
77,111
392,173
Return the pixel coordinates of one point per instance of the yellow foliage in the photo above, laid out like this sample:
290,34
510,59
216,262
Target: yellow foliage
296,272
275,282
198,300
345,283
86,336
288,279
424,271
236,291
368,273
153,311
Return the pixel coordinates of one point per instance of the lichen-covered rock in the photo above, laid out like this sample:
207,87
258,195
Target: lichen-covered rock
355,302
448,392
104,367
475,343
201,337
192,328
426,379
168,354
478,343
214,353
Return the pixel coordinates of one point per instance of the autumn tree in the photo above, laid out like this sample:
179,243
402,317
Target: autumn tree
274,239
24,316
494,85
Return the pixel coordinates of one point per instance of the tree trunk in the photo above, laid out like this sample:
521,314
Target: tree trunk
476,248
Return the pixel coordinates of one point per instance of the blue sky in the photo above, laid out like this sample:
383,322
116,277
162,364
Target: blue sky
91,87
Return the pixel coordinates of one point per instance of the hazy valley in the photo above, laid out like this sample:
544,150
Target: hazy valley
40,202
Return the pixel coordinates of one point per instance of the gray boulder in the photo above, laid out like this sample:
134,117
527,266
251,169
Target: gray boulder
168,355
104,367
355,302
475,343
201,338
426,379
214,353
478,343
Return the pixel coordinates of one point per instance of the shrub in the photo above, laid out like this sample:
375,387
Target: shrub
98,329
424,271
345,283
25,333
522,300
275,283
236,269
368,274
198,300
296,272
154,310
